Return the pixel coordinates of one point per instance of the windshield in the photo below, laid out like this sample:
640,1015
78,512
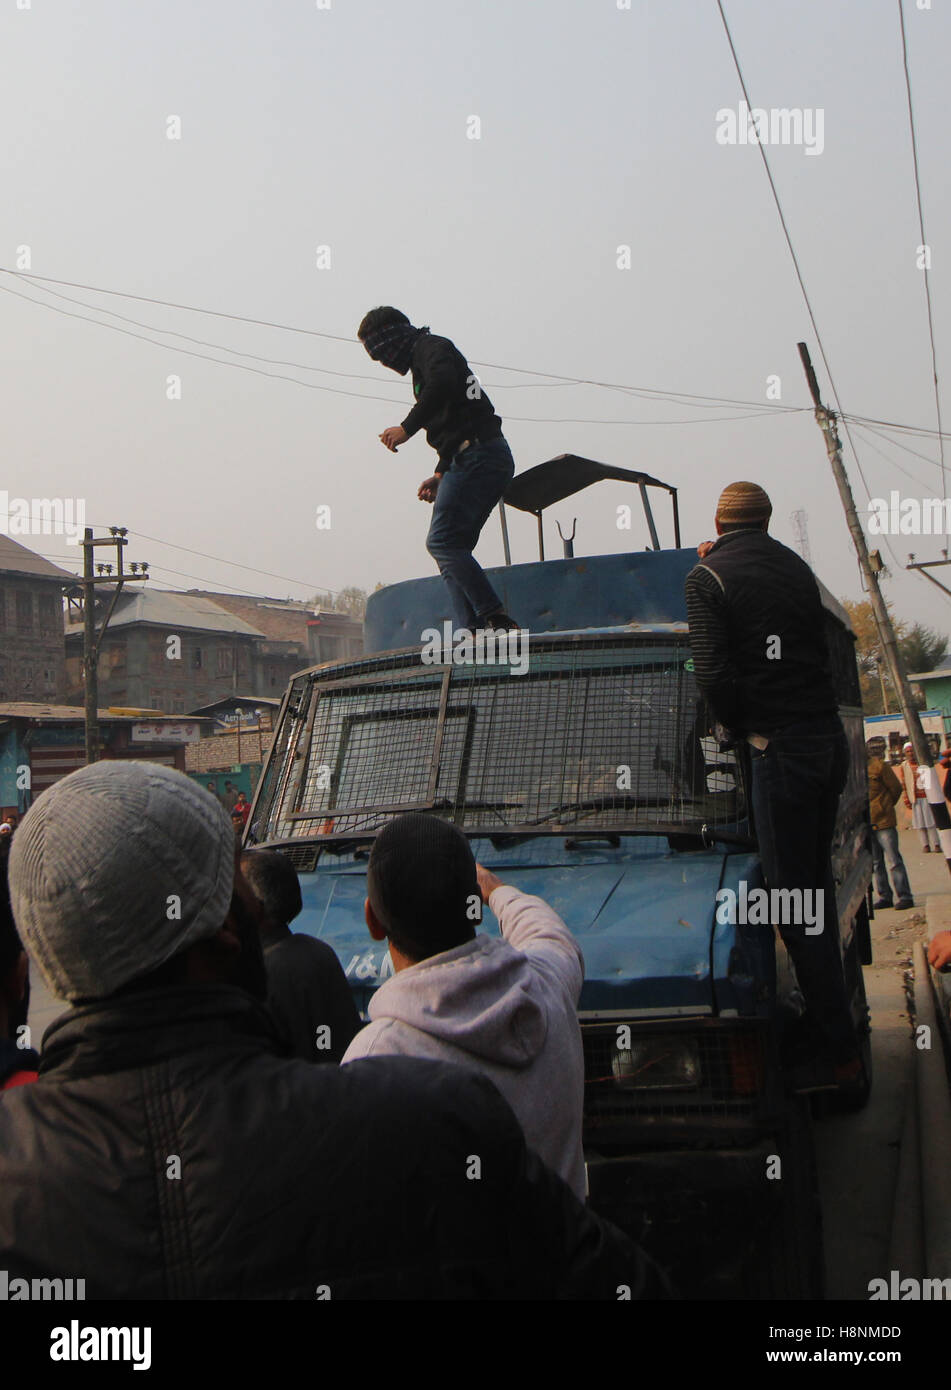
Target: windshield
597,734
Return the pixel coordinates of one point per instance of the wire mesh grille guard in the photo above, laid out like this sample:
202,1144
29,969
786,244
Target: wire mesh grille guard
702,1069
597,734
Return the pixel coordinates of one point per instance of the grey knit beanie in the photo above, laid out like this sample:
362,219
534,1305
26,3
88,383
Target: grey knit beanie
114,870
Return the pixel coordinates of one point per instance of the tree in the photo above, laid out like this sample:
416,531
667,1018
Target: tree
352,601
869,651
923,648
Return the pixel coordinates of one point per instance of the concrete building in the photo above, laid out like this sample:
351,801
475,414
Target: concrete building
936,685
165,651
32,657
294,637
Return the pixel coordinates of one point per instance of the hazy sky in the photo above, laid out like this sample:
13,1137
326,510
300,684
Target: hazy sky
346,125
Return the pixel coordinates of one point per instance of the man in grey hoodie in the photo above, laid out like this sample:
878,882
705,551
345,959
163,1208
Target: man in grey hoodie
503,1007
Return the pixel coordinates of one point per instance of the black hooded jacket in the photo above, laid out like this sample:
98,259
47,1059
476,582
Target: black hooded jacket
450,404
168,1151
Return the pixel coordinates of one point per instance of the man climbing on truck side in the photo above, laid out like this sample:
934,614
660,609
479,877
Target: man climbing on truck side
475,463
760,656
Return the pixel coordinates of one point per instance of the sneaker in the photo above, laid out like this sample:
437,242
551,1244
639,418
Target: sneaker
927,849
903,904
500,620
881,905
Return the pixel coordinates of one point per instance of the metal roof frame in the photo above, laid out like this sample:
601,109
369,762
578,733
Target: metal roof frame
560,477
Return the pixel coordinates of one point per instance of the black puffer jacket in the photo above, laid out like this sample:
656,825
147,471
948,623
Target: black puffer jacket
168,1151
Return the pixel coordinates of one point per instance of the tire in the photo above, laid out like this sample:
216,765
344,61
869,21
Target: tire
790,1262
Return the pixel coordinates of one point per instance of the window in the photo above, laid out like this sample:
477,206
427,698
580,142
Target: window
3,609
48,613
225,661
24,612
196,658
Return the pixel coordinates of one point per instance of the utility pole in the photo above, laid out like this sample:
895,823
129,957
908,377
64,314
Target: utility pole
801,528
928,780
91,643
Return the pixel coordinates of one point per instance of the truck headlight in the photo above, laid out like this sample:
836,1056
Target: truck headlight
657,1064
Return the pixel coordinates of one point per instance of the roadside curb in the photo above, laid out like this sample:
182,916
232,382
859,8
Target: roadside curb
934,1122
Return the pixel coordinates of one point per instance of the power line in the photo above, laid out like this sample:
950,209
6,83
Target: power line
893,462
924,244
795,261
552,378
189,352
217,559
358,395
897,443
920,430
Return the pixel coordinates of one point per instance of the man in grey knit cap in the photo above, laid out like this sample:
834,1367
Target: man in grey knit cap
168,1150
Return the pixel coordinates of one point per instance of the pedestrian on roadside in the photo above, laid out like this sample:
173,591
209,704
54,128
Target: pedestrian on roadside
884,792
916,801
168,1151
243,806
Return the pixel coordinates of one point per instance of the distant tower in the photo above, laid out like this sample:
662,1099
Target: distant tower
801,529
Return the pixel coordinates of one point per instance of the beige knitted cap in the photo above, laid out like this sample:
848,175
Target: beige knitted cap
114,870
743,504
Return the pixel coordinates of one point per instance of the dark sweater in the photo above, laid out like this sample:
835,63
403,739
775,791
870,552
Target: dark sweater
443,384
748,591
306,991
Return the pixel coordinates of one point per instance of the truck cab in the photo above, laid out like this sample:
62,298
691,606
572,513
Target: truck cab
579,760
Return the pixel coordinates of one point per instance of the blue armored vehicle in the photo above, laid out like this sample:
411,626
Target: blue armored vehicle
582,767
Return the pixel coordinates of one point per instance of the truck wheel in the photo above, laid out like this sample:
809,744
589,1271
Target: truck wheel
790,1262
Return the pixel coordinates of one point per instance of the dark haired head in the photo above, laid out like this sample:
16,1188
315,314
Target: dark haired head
383,317
422,884
273,880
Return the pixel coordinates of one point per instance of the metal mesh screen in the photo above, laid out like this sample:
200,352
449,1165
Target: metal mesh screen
596,734
711,1071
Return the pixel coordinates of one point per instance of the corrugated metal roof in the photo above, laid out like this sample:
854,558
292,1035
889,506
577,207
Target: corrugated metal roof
27,709
17,559
166,609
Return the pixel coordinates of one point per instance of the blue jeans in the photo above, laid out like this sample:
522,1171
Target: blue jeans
468,490
885,845
796,784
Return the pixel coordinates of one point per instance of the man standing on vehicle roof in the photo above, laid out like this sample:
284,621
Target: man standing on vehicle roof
475,463
760,656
